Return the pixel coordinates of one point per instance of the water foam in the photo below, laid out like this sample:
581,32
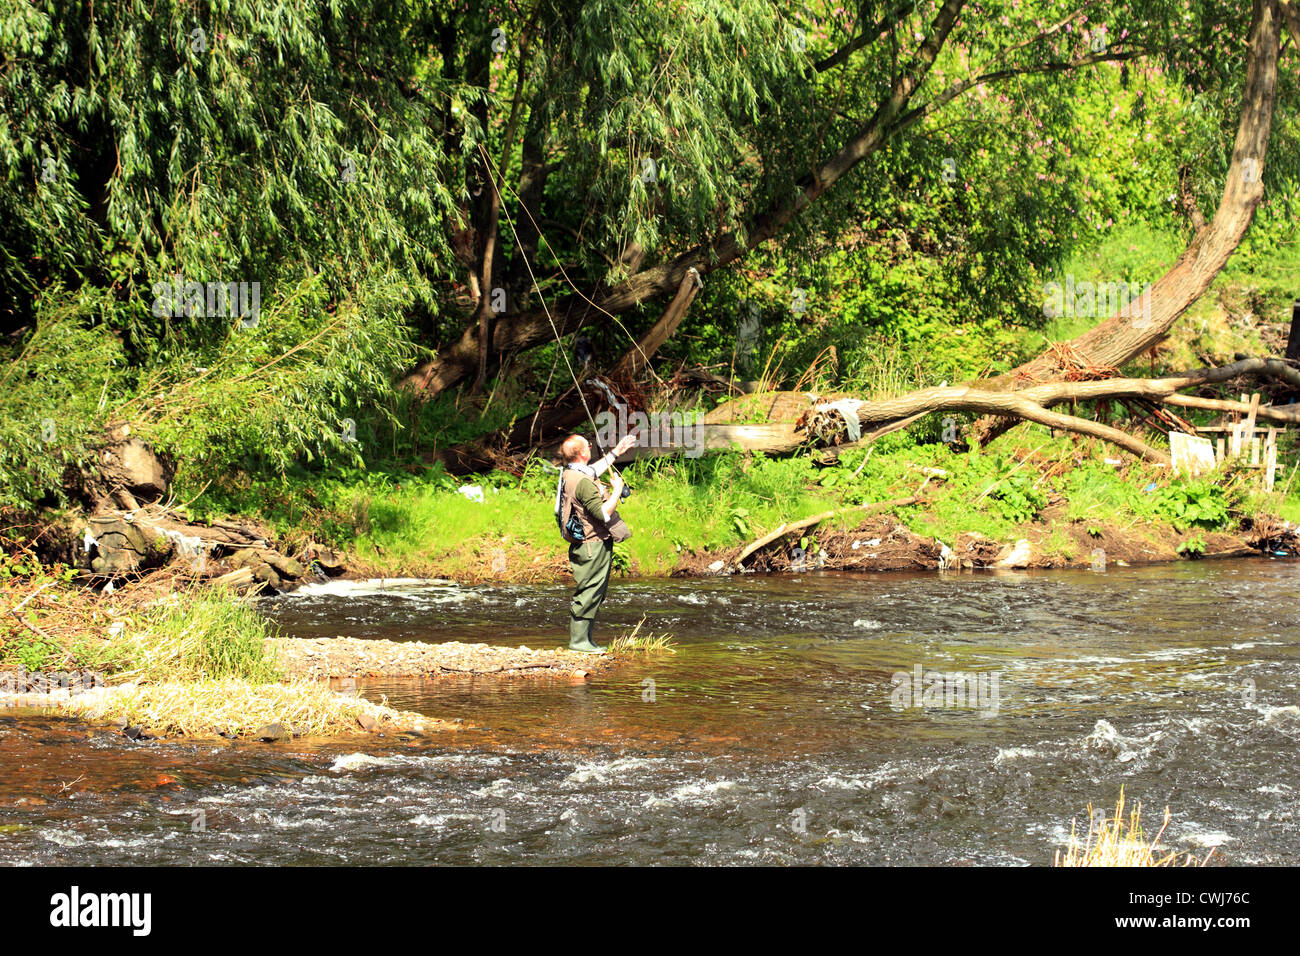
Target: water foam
359,760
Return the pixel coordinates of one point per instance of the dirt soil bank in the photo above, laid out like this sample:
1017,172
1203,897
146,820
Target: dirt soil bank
882,543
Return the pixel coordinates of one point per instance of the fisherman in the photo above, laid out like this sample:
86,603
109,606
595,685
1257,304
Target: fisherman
590,523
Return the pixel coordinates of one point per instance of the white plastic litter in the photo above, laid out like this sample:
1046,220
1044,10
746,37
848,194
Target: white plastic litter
472,492
848,407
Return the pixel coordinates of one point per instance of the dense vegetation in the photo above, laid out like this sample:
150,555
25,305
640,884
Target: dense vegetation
372,181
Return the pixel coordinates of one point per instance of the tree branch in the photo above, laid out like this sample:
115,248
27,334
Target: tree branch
866,38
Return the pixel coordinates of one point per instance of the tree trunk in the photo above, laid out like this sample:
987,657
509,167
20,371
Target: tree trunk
638,357
1123,337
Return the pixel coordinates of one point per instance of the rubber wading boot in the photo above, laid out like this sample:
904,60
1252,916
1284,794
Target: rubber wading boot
580,637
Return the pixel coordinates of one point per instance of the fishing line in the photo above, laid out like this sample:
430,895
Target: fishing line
558,264
536,288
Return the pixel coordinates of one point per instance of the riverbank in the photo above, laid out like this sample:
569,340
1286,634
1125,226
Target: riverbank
1065,496
1042,502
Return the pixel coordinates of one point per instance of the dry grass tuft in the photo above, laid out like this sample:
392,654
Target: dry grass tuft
237,707
1120,842
647,643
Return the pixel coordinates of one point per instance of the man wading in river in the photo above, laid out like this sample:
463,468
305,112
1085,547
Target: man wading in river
589,522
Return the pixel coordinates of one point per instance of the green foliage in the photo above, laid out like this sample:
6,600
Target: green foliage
208,635
1193,504
33,652
1018,497
53,394
28,566
211,140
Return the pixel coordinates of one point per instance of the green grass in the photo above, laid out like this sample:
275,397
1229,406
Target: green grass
193,634
398,523
647,644
714,503
205,635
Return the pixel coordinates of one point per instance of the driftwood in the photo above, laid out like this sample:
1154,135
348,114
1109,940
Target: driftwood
118,543
1032,403
14,612
777,406
776,438
805,523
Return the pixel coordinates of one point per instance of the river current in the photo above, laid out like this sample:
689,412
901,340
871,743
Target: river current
951,719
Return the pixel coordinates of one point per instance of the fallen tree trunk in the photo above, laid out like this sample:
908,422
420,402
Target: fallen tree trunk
1283,414
1032,403
114,544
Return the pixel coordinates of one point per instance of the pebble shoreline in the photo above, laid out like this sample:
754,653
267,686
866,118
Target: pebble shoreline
343,657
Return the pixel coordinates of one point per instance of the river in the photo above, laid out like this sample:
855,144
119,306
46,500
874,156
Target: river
781,732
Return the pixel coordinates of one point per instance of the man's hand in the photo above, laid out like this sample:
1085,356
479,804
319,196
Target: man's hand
626,442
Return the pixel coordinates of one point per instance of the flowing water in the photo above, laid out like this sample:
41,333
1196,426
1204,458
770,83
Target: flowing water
780,732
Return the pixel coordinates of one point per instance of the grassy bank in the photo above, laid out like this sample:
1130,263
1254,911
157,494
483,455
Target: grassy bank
396,517
396,523
176,663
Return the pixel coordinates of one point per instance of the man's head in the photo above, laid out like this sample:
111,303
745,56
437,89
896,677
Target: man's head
575,450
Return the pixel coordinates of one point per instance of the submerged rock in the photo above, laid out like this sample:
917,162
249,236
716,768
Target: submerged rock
1018,555
274,732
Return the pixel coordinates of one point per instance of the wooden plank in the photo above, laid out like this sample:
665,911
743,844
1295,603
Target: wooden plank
1254,453
1270,470
1259,429
1190,454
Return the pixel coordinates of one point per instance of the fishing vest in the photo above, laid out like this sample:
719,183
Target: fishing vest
571,515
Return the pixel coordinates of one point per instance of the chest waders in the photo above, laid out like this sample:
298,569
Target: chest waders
591,563
591,557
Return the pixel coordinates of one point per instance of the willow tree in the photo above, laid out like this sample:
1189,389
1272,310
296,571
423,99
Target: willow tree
479,178
649,140
155,153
